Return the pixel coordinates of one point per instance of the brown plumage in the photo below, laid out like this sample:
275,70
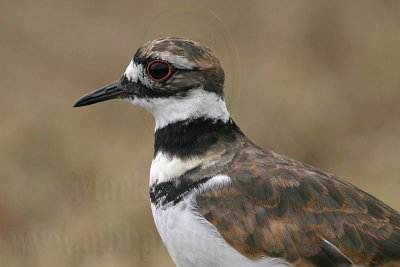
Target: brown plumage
273,207
279,207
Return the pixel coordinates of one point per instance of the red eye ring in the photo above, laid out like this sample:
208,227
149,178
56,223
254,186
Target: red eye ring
162,74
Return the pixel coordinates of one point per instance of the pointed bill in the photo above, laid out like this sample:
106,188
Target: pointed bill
110,91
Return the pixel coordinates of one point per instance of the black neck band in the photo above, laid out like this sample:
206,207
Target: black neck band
193,137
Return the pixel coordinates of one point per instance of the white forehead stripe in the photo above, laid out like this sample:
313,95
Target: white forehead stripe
133,71
178,61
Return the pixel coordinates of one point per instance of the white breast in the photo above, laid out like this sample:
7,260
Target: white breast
193,242
164,167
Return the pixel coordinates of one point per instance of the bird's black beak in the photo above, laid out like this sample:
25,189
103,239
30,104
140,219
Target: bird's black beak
110,91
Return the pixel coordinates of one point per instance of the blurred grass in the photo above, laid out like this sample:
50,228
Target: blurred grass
317,80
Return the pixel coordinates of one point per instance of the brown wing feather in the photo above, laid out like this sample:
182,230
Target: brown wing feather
279,207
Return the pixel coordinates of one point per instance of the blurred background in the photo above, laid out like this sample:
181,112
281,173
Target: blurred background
315,80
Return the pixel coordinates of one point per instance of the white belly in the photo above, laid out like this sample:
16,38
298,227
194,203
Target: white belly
194,242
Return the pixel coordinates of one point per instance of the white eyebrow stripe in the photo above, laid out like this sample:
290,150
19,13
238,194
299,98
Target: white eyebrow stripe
178,61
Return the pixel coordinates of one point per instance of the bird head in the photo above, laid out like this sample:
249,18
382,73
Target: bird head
175,79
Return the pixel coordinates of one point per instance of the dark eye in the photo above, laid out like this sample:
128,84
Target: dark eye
159,70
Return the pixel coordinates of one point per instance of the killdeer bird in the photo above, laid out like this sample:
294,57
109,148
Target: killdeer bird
220,200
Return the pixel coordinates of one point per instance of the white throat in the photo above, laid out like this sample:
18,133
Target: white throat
197,103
